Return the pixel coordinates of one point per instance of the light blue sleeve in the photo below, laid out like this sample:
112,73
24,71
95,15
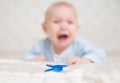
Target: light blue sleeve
93,53
35,51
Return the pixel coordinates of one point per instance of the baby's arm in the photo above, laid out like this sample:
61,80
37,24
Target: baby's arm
90,54
78,60
93,53
38,58
35,53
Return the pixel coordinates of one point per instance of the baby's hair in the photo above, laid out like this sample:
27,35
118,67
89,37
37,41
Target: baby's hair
58,4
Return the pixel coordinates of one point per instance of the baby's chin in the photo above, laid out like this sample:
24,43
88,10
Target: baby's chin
64,43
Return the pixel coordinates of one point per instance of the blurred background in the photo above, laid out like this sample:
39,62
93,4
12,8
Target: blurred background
21,20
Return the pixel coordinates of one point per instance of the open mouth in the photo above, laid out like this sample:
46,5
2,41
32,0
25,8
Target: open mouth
63,37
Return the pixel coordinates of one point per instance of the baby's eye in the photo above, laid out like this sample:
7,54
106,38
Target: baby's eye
56,21
70,22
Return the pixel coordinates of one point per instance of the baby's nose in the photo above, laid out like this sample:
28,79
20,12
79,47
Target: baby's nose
64,25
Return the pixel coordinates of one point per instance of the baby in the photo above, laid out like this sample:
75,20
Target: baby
62,44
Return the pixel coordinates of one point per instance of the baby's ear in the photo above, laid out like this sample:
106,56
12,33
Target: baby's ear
78,27
44,27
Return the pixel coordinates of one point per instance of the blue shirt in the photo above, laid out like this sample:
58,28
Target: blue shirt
79,48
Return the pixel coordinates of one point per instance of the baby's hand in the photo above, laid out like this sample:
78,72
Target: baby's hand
38,58
78,60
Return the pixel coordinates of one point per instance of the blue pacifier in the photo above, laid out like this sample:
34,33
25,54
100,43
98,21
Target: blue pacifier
55,68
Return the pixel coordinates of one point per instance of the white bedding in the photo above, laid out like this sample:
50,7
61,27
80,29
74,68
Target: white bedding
16,71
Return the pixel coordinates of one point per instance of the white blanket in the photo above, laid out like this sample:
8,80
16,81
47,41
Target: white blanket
16,71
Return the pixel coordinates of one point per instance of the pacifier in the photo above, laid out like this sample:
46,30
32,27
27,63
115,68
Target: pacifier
55,68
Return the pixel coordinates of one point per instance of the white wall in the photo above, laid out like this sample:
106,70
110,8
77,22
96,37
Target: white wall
20,23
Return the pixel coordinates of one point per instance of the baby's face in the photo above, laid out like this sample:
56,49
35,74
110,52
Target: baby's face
61,26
